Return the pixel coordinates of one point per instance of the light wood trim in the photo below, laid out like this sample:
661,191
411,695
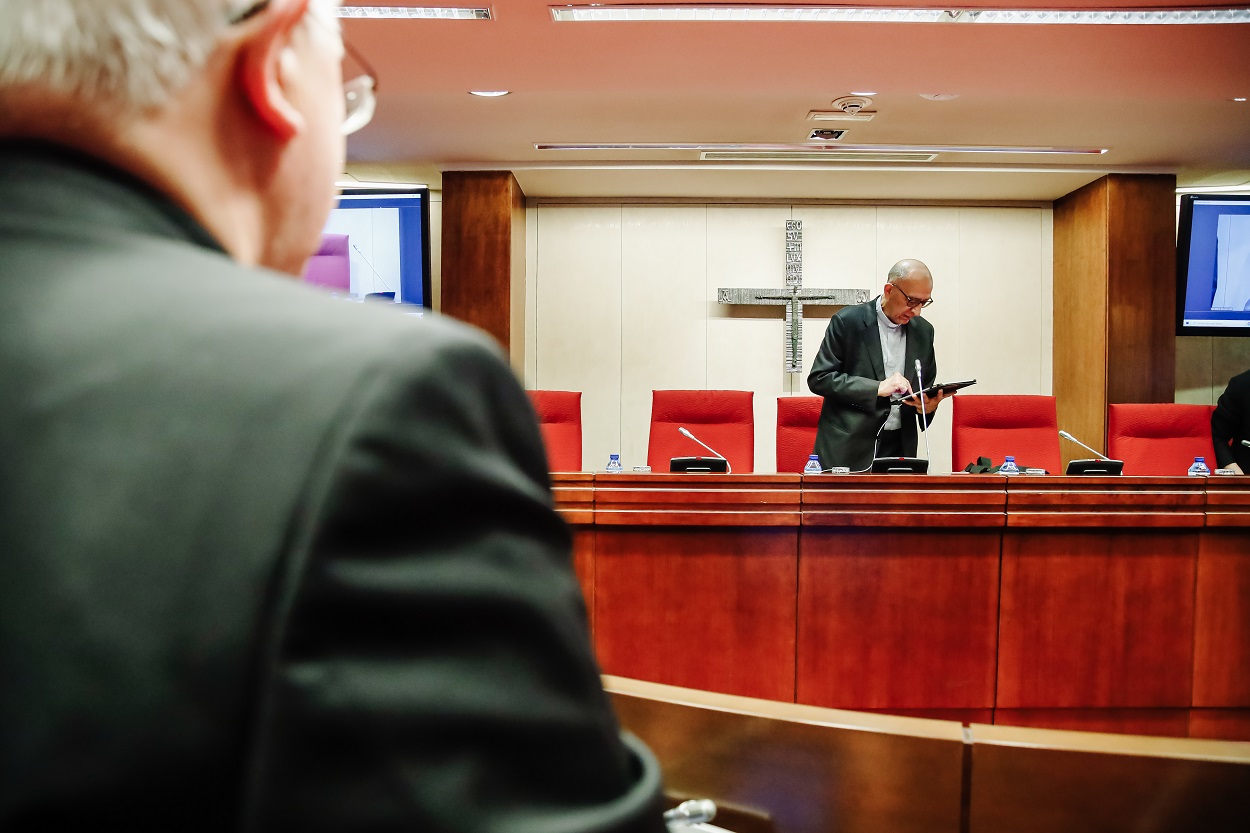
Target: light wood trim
918,727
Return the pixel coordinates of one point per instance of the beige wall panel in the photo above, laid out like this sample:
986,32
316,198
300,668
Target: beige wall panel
839,252
746,246
1047,303
436,249
998,323
578,327
664,307
1229,356
746,354
839,246
1194,372
531,296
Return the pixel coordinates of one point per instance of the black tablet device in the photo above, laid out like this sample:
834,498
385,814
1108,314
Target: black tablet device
945,387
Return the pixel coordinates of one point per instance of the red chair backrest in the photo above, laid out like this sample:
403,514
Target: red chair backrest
560,418
1023,426
724,419
1159,438
797,418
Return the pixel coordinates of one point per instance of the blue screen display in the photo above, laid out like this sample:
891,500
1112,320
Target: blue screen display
1213,265
375,245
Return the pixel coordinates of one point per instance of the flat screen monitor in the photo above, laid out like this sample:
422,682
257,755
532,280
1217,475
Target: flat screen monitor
1213,265
376,245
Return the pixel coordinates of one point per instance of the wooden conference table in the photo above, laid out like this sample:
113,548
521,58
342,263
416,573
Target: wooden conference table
1109,604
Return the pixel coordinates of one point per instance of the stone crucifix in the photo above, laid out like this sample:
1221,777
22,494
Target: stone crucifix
793,297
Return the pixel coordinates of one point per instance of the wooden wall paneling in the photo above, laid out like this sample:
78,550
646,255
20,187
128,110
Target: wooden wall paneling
1094,619
1222,619
1141,230
810,770
1041,781
897,618
1157,722
1114,285
483,258
574,496
702,607
893,615
1080,314
697,500
1067,502
1220,724
695,580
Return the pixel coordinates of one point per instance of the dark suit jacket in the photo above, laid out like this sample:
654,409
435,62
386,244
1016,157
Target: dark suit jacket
1231,423
847,371
271,561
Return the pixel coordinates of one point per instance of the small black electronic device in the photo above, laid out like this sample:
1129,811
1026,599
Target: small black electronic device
945,387
900,465
699,465
1096,468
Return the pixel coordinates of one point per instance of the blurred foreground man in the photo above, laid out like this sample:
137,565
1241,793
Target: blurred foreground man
268,561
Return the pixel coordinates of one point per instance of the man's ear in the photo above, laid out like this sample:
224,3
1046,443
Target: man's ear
264,70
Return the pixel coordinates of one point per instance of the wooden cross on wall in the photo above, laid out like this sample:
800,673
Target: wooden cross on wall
793,297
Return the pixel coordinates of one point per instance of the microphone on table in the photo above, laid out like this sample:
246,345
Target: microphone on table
1103,465
728,468
1073,439
924,417
692,812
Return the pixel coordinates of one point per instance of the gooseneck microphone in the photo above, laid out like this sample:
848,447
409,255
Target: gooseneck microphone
692,812
924,417
729,469
1073,439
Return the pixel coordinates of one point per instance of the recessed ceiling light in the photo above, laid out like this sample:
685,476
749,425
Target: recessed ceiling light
865,92
1239,99
736,12
490,93
413,13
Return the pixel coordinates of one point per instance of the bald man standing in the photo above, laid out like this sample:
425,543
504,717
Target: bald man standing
869,355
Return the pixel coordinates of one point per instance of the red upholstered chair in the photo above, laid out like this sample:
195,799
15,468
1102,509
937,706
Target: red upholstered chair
560,417
724,419
797,417
1159,439
1025,427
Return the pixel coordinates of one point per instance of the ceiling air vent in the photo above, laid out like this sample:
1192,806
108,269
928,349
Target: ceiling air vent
814,156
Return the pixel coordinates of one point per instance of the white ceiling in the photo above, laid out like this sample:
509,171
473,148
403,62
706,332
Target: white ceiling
1159,98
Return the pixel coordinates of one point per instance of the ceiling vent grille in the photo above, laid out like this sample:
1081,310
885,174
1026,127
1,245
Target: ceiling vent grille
814,156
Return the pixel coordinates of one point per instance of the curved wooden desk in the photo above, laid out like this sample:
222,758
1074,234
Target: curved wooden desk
788,768
1109,604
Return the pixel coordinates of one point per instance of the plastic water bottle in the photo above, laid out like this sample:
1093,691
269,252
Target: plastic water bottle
614,464
1199,468
813,465
1009,466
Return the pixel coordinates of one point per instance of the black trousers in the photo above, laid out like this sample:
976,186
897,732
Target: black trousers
890,444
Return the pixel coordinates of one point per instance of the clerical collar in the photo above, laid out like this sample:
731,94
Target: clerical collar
884,320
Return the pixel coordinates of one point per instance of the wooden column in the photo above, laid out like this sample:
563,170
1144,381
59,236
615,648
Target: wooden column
484,255
1115,296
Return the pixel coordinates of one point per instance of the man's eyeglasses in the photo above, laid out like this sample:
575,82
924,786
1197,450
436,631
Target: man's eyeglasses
913,303
359,94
